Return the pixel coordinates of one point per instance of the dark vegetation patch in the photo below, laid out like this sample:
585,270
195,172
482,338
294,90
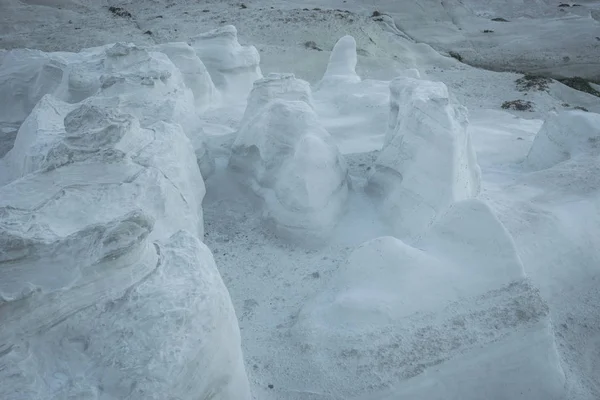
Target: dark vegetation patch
533,82
567,105
376,14
455,55
499,20
518,105
243,6
488,31
148,33
312,46
580,84
301,15
120,12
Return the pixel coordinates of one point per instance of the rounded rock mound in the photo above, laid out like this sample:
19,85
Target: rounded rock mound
563,136
232,67
276,86
341,68
291,163
423,319
427,162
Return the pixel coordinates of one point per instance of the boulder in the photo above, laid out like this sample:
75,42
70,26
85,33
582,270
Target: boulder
428,162
290,162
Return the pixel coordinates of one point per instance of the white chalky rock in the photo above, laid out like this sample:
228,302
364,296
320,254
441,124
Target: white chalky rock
166,82
232,67
401,100
460,302
138,80
204,157
276,86
106,292
194,73
342,63
25,77
58,134
286,158
428,162
132,319
147,85
564,136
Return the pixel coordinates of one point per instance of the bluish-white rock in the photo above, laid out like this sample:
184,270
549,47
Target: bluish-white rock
195,74
166,82
291,163
137,320
341,68
564,136
232,67
106,291
426,320
427,162
276,86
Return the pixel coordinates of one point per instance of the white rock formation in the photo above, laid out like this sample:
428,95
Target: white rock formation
106,292
401,100
436,315
204,157
166,82
130,320
276,86
147,85
342,64
194,73
58,134
25,77
232,67
286,158
355,114
428,163
563,136
122,70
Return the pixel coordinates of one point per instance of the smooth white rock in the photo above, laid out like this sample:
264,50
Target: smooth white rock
427,162
291,163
